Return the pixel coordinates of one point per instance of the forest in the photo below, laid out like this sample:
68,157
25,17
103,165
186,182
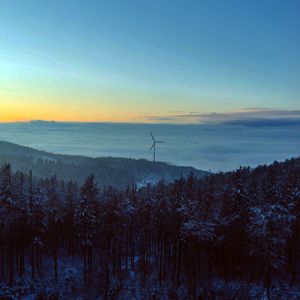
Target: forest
108,171
233,235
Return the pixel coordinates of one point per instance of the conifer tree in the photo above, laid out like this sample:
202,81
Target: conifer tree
85,220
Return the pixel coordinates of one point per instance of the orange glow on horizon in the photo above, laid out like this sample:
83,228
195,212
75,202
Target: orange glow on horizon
105,106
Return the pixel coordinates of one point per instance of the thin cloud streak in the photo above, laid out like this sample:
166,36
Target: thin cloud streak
261,115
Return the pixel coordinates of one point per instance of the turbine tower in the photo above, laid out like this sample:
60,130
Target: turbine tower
154,145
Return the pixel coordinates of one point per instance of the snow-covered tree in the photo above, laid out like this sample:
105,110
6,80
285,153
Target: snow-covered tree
85,220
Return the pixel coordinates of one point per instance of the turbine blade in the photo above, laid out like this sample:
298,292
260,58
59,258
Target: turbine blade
152,146
161,142
152,136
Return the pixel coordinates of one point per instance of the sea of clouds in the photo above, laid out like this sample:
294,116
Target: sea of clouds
223,146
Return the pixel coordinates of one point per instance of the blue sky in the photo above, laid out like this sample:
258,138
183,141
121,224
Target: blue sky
128,60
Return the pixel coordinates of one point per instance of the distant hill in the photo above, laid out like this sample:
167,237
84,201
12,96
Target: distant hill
118,172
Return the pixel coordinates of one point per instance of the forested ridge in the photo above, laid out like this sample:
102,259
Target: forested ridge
232,235
113,171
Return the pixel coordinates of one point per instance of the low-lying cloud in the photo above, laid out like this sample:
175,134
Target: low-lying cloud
215,147
246,117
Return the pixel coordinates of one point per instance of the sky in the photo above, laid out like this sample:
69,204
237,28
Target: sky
149,61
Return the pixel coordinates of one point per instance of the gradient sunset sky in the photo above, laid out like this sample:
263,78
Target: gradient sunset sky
147,61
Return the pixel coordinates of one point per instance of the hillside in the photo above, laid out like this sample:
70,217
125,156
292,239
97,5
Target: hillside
233,235
113,171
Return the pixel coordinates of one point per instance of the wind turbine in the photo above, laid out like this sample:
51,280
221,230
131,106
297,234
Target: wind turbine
154,145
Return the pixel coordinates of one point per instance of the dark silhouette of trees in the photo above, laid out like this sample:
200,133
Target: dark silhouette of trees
85,220
241,225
